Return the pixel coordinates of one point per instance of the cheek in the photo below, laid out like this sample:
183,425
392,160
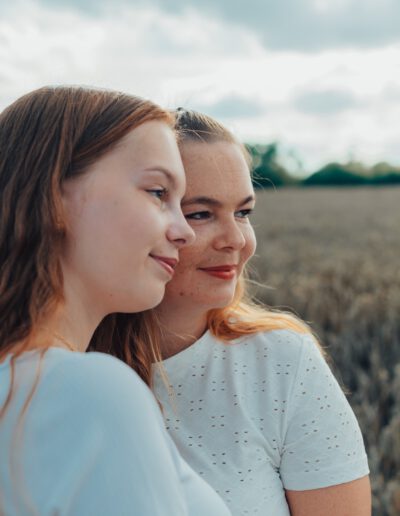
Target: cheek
187,263
251,244
194,255
186,277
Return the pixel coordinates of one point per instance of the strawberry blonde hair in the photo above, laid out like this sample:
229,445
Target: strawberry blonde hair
47,137
243,316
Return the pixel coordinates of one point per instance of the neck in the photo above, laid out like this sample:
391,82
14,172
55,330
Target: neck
181,327
73,323
67,329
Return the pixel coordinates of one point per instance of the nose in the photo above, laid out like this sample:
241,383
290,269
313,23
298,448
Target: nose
179,232
230,236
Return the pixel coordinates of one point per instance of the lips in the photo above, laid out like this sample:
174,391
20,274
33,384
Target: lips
225,272
225,268
167,263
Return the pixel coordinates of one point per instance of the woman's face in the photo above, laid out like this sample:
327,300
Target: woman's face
125,224
218,200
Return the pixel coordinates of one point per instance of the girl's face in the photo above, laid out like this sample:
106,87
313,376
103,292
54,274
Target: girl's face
218,200
125,224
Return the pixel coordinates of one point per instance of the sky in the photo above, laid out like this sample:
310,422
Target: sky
320,77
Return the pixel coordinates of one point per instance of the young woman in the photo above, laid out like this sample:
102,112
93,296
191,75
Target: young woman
90,189
253,406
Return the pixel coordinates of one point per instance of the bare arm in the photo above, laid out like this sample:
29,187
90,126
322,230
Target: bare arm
349,499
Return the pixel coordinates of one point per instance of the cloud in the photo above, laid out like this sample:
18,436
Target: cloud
302,25
90,7
233,106
137,50
392,93
308,25
327,102
179,56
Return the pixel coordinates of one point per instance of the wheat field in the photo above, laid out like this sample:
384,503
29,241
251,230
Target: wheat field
332,256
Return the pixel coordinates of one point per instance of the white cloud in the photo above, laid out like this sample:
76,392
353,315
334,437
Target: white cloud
310,25
41,46
326,102
131,48
187,59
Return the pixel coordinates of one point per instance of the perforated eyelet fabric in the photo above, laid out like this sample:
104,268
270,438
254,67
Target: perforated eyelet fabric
260,415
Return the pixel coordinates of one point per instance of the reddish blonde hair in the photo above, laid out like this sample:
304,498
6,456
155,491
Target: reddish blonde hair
243,316
47,137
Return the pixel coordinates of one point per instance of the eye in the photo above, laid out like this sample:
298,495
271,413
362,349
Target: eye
198,215
244,214
159,193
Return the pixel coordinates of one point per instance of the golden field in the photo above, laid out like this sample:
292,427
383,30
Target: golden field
333,256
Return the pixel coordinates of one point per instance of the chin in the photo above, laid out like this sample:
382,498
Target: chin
219,302
140,303
152,302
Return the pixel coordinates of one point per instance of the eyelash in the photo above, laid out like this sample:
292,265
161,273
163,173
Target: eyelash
203,215
246,213
159,193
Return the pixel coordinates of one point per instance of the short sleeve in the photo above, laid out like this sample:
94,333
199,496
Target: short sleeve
104,442
323,444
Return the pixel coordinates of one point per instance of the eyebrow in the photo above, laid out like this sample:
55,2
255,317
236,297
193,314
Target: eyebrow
164,171
209,201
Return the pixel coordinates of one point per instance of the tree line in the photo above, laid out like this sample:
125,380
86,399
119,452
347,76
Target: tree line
268,172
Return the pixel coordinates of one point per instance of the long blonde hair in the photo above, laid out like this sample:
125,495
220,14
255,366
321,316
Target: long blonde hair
244,315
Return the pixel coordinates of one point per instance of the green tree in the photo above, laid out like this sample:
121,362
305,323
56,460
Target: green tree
334,174
267,171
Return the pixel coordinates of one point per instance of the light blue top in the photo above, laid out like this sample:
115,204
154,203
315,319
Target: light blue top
92,443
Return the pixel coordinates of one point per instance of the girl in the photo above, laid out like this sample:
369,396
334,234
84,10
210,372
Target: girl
254,407
90,190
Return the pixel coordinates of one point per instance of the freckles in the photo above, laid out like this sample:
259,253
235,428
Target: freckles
251,244
251,249
194,290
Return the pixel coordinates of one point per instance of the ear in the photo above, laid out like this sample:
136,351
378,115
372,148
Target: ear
73,195
68,203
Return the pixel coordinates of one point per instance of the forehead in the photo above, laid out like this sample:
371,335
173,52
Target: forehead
152,146
216,167
149,138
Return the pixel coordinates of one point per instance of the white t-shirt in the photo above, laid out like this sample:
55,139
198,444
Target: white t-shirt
93,442
259,415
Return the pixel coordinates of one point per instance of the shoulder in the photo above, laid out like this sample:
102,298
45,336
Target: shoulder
274,360
94,383
105,448
91,369
279,345
280,359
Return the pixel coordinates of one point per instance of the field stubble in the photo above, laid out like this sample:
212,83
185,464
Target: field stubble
333,257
